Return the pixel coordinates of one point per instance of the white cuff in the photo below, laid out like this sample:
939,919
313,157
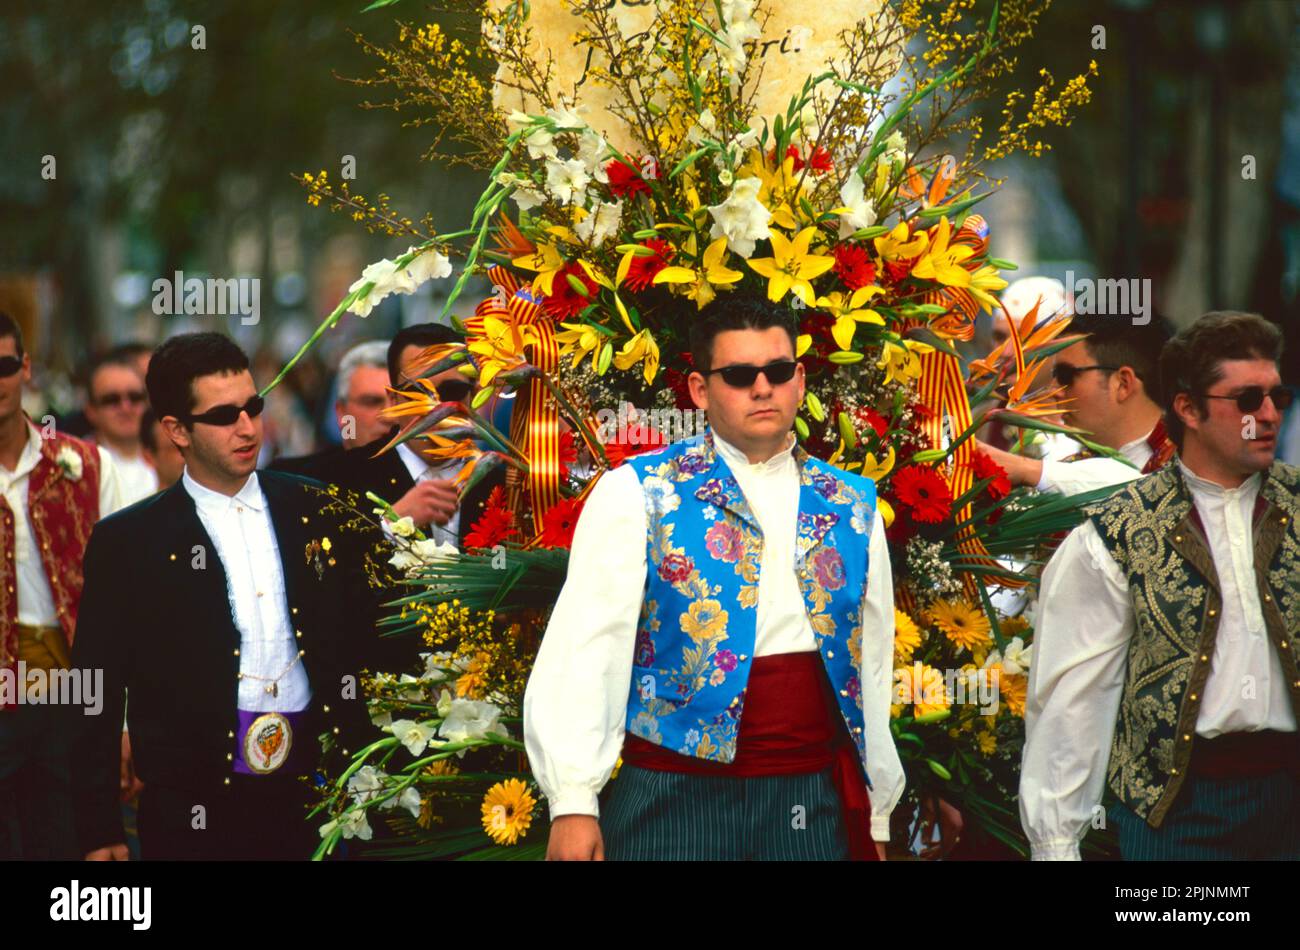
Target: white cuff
1055,849
1045,483
575,801
880,827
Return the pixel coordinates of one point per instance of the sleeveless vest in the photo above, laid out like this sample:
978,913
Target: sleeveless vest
62,512
695,639
1151,530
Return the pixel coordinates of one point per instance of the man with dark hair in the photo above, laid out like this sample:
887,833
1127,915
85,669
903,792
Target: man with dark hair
115,402
1165,666
160,451
231,619
1111,379
737,650
53,488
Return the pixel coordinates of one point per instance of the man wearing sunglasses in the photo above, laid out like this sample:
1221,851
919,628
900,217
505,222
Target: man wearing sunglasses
234,627
727,626
53,488
1108,379
1164,663
115,402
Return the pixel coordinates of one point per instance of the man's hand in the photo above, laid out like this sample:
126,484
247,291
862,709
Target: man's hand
114,852
575,838
880,850
130,784
1021,470
433,501
950,827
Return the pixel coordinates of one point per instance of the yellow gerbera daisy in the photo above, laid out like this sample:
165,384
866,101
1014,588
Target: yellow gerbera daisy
508,811
1014,626
907,636
1013,689
962,622
921,687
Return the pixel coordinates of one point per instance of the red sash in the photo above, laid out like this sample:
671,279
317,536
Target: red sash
791,725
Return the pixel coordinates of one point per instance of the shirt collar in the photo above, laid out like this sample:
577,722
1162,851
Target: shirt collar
213,501
737,460
1138,451
1207,487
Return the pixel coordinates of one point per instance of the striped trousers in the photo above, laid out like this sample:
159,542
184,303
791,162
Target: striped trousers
1219,819
653,815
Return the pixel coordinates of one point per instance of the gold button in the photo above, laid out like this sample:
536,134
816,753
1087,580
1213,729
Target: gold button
1178,537
1173,771
239,676
325,708
230,757
298,634
1267,599
844,692
336,730
1282,520
1205,658
1296,684
1187,737
236,653
173,557
392,481
239,509
259,593
1213,612
302,652
1285,645
226,782
830,654
346,752
295,610
1192,697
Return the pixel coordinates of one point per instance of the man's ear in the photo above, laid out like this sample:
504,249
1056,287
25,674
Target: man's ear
1128,384
176,431
1185,409
699,389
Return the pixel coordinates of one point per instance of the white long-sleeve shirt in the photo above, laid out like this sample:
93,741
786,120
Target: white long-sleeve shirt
35,599
1073,478
241,529
575,707
1080,656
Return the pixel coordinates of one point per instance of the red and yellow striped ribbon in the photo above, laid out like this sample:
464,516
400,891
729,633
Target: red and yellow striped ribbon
535,422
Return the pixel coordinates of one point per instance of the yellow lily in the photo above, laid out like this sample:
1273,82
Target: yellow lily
501,346
713,273
896,246
580,339
547,262
901,361
886,510
778,189
983,281
941,261
877,470
791,267
848,312
640,347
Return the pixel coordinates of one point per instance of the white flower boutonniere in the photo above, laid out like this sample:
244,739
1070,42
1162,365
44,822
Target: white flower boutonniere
69,462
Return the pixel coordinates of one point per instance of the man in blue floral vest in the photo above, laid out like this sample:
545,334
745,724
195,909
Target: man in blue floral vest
727,627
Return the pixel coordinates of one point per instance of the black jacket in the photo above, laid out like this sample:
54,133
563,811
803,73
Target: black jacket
162,630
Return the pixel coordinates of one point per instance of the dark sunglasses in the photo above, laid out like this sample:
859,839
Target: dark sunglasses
10,365
1065,373
1252,397
228,415
134,397
742,376
454,390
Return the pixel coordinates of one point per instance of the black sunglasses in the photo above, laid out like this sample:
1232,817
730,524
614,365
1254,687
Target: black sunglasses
454,390
1065,373
135,397
1252,397
742,375
228,415
10,365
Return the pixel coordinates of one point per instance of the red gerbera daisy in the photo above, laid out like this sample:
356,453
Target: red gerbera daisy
633,440
983,466
564,303
869,416
494,525
924,491
641,271
820,162
568,452
559,523
853,265
624,180
896,271
791,151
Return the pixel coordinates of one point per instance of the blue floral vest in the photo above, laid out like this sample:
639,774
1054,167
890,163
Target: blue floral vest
695,639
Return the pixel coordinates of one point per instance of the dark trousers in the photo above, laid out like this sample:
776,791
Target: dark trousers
654,815
255,818
1219,819
35,786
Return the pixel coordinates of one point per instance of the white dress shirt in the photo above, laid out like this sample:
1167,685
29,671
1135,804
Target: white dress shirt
1081,651
35,599
137,479
240,527
1073,478
575,706
422,470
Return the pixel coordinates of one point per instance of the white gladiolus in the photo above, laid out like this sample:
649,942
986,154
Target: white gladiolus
600,223
857,211
567,179
469,719
742,218
414,735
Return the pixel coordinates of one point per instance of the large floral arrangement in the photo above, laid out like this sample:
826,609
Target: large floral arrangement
602,232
